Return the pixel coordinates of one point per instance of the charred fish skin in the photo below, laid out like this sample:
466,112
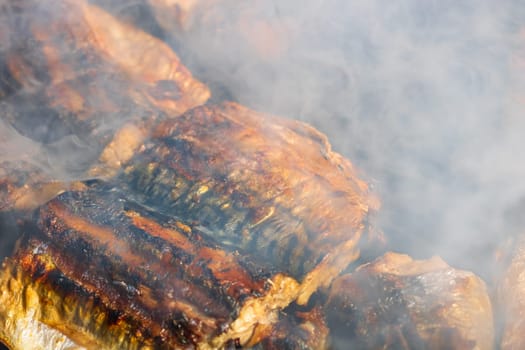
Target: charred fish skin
248,183
104,271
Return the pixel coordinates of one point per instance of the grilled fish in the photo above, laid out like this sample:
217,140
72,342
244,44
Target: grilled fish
98,270
218,168
270,187
401,303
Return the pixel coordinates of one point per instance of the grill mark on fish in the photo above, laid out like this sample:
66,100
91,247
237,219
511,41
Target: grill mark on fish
118,253
148,267
222,265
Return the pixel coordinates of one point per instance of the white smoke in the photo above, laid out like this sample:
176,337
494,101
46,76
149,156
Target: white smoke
426,96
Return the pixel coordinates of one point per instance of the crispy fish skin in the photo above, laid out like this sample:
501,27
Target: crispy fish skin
106,273
267,186
398,302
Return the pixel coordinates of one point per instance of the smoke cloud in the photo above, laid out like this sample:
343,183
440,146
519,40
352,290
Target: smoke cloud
425,97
